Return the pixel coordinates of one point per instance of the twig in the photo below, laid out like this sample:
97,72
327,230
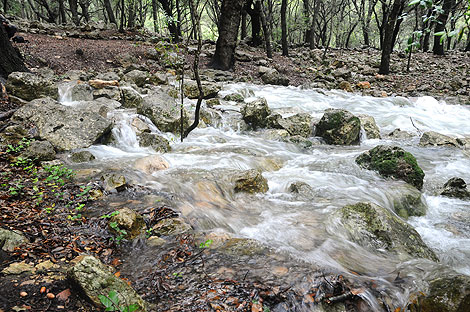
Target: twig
419,131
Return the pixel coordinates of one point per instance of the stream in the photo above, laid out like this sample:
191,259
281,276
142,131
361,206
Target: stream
301,229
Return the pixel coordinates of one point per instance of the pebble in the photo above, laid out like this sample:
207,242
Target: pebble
50,296
23,294
43,290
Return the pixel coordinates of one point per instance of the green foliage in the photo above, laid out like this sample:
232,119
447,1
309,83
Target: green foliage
57,173
120,233
16,148
111,302
206,244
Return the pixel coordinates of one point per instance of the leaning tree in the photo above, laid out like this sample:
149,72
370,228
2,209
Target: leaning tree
10,60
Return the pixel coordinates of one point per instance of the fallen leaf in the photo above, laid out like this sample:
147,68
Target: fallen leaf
64,295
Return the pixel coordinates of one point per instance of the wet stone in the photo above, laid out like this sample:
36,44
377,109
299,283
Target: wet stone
82,156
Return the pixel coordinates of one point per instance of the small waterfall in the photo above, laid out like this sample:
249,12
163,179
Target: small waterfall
65,93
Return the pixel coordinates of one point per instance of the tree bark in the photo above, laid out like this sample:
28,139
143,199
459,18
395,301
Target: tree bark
285,49
84,5
224,56
389,29
438,48
255,16
243,30
155,15
74,11
62,15
110,12
132,14
10,60
267,32
172,27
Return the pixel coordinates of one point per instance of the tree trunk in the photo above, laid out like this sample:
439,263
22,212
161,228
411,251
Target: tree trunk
62,15
255,16
123,9
84,5
5,6
438,48
172,27
285,51
243,30
224,56
155,15
10,60
267,32
109,11
131,15
389,29
74,11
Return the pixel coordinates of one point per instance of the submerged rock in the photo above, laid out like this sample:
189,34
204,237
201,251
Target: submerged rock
446,294
410,203
65,127
97,279
113,182
28,86
251,181
393,161
82,156
432,138
155,141
456,187
255,113
376,228
151,164
243,247
298,124
370,127
171,226
339,127
400,134
9,240
128,220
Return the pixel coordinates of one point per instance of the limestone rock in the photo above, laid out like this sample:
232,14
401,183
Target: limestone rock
432,138
447,294
39,150
236,97
82,92
82,156
400,134
151,164
64,126
11,239
251,181
370,127
13,134
28,86
209,89
130,221
298,124
339,127
375,227
243,247
113,181
131,98
17,268
255,113
409,203
456,187
171,226
100,84
346,86
273,77
96,279
140,78
393,161
155,141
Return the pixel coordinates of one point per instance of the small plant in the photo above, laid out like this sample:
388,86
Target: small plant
111,302
57,173
177,275
148,232
206,244
24,143
110,215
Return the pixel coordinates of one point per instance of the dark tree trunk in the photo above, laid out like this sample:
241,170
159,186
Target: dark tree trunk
10,60
74,11
123,10
438,48
389,29
243,30
131,15
84,5
255,17
306,11
155,15
172,27
224,57
5,6
267,32
467,48
285,51
311,39
109,11
62,15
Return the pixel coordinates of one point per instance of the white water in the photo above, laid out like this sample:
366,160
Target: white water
200,170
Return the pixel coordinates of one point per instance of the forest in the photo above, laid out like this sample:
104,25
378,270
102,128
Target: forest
235,155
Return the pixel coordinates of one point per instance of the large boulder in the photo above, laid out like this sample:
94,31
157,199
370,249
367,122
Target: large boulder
409,202
163,111
128,220
138,77
456,187
432,138
40,151
273,77
393,161
376,228
155,141
370,127
209,89
131,98
255,113
298,124
9,240
65,127
97,279
28,86
339,127
251,181
82,92
446,294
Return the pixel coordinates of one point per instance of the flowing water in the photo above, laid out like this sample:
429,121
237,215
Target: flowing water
303,227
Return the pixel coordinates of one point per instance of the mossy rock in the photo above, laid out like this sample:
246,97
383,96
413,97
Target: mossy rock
82,156
376,228
339,127
409,203
155,141
251,181
447,294
393,161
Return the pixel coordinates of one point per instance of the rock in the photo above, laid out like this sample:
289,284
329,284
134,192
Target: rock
140,78
155,141
151,164
82,156
163,111
369,126
156,241
400,134
130,221
345,85
251,181
255,113
342,72
409,203
431,138
9,240
39,150
376,228
108,76
243,247
131,98
113,93
97,279
82,92
456,187
159,79
339,127
100,84
393,161
28,86
13,134
209,89
65,127
273,77
236,97
113,182
171,226
301,188
446,294
212,102
298,124
140,126
363,85
17,268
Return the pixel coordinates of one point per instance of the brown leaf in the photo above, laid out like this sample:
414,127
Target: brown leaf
64,295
